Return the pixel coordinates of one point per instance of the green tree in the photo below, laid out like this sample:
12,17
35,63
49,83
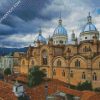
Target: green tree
7,71
84,86
35,76
97,89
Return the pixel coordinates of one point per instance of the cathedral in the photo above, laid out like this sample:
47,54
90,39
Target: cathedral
72,62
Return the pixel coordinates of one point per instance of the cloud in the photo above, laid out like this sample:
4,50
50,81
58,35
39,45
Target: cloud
22,25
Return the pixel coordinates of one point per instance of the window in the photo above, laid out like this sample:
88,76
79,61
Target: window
44,58
86,49
45,71
23,62
61,42
32,62
83,75
89,49
94,76
71,74
58,63
16,62
77,63
63,73
54,72
85,37
68,50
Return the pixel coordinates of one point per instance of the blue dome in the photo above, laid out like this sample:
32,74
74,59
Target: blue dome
40,38
60,30
89,27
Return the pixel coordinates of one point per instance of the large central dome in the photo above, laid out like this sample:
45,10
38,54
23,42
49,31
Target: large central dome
60,30
60,36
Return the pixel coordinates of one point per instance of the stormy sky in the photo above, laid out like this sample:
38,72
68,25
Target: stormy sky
21,26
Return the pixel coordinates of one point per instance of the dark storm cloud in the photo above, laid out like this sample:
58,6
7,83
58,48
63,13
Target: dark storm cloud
31,14
20,20
30,9
27,9
6,30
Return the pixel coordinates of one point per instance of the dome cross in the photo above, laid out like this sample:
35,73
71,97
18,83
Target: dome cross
89,18
60,20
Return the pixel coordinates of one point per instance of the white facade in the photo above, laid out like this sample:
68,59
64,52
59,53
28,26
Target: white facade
89,31
7,62
88,35
60,40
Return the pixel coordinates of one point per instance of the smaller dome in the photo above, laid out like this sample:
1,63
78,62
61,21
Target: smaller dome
40,38
89,27
60,30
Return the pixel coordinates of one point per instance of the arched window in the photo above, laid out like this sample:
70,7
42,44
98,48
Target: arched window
61,42
94,76
44,57
86,49
54,72
77,63
69,50
23,62
83,75
63,73
45,71
89,49
32,62
71,74
58,63
85,38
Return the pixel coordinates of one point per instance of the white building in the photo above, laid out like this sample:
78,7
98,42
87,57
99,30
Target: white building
7,61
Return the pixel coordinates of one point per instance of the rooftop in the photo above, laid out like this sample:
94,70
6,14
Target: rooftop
38,93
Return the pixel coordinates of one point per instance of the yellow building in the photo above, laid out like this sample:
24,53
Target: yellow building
72,62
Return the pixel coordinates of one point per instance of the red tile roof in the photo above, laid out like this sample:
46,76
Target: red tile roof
38,92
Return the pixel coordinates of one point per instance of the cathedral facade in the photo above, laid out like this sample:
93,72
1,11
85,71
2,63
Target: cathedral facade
69,62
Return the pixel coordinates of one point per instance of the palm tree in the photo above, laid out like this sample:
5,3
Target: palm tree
35,76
